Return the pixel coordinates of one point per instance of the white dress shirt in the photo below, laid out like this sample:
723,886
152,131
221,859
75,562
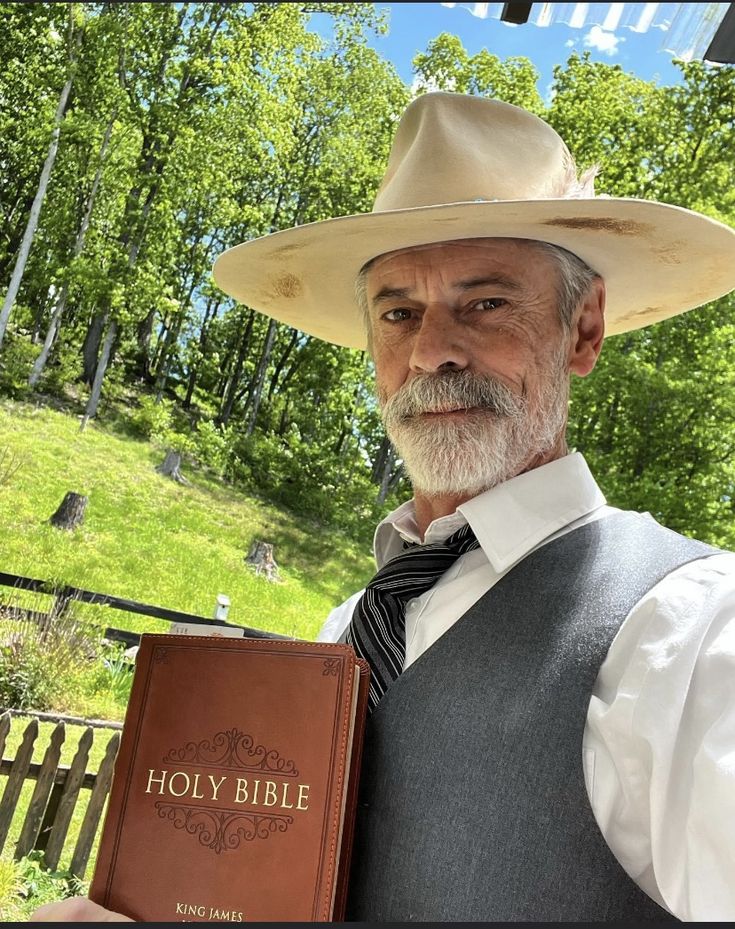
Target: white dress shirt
659,745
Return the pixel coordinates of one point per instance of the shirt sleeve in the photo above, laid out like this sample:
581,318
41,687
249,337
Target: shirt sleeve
661,730
339,619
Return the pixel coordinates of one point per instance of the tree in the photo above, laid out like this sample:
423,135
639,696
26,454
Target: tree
74,41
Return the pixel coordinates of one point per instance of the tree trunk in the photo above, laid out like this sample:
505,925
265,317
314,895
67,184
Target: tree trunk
385,481
51,333
145,333
91,347
282,362
256,392
13,212
25,246
70,513
284,420
60,304
383,471
379,463
99,375
231,391
203,333
171,467
39,311
166,358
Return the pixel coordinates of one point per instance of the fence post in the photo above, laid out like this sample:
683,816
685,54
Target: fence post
54,843
16,777
41,793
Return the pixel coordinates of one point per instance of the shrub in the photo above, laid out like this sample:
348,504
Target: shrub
113,674
64,368
16,362
37,658
24,679
11,884
151,419
213,445
35,886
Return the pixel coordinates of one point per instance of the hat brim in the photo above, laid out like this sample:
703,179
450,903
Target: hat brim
657,260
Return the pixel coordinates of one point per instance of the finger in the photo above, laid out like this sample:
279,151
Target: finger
76,910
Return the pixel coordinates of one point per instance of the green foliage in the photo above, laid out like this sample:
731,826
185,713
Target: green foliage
24,678
33,885
291,471
65,369
113,674
11,885
446,65
213,445
37,657
152,419
17,356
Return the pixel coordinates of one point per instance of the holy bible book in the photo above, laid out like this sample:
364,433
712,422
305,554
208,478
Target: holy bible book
235,785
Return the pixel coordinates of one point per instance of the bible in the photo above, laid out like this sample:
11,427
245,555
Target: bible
235,787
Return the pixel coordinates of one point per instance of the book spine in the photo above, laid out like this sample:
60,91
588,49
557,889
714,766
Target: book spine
99,891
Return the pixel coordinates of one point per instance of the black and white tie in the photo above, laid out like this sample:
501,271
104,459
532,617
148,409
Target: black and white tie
377,630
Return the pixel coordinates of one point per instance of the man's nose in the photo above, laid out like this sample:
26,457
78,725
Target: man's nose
439,342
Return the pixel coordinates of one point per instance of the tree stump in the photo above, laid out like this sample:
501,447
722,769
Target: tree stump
261,558
71,512
171,467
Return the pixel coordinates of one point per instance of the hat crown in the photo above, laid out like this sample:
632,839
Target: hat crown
454,148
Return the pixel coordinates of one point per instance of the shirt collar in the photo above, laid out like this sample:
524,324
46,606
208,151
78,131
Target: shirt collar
509,520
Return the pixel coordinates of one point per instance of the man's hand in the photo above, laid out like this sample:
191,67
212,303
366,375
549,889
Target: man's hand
76,910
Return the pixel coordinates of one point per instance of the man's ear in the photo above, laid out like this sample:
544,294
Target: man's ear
588,330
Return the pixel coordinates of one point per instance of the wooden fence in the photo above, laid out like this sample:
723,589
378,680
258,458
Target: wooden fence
55,795
64,596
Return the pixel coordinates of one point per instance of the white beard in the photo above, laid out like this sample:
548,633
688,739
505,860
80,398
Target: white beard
485,447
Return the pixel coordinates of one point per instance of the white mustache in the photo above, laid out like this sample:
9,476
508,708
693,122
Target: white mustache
456,390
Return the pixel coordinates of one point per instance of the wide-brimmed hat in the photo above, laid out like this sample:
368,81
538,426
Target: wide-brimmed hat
464,167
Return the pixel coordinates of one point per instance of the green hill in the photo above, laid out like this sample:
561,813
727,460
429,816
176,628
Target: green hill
149,539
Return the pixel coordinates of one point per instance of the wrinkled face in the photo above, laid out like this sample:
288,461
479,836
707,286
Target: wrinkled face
471,360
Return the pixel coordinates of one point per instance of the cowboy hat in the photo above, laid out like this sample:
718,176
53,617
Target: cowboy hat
464,167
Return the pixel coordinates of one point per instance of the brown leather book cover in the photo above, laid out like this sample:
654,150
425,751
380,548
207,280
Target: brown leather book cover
236,782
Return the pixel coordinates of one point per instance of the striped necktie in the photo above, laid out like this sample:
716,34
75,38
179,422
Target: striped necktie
377,630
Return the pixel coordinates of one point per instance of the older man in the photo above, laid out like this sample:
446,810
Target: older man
553,711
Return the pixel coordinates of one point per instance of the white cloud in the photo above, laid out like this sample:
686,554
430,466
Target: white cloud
570,43
603,41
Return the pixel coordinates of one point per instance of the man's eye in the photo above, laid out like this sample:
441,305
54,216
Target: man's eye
489,303
397,315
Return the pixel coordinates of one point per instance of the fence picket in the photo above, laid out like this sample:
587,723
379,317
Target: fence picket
41,793
4,730
68,800
94,809
16,777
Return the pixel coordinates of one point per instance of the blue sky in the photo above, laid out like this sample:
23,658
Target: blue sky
412,25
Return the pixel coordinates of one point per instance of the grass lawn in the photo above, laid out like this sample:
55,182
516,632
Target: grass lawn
149,539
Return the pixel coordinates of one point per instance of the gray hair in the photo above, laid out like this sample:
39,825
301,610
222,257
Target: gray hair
573,282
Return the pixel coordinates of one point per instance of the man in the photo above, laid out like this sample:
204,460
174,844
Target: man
553,713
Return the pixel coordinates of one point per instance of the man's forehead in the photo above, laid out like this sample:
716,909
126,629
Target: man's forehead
488,245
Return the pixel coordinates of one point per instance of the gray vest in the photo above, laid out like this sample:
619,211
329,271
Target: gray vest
473,804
